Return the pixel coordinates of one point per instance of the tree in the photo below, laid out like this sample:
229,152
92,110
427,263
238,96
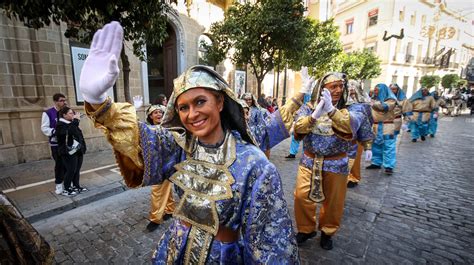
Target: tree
429,81
361,65
322,49
261,35
144,21
450,81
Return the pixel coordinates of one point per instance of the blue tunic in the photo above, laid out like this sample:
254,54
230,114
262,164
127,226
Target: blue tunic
257,206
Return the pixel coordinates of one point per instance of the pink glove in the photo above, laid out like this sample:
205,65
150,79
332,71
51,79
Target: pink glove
435,115
368,155
100,70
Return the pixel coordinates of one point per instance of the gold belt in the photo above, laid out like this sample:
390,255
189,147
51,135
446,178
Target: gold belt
316,192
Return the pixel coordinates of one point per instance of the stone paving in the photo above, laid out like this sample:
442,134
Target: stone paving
422,214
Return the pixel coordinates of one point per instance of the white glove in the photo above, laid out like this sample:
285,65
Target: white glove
326,97
137,101
319,110
100,70
368,155
404,127
435,115
308,87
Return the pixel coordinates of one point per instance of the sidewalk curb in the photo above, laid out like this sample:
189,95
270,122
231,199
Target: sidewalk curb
77,201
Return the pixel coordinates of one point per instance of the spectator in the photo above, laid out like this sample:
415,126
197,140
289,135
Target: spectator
71,148
48,125
161,100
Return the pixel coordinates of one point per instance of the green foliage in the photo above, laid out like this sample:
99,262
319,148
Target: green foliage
143,21
429,81
450,81
361,65
262,35
323,50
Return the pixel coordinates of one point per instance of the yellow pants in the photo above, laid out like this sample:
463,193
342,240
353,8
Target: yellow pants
330,214
354,174
162,201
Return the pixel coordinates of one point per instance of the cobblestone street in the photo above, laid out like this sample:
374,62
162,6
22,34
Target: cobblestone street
421,214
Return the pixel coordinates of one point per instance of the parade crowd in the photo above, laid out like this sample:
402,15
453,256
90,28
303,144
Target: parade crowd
208,149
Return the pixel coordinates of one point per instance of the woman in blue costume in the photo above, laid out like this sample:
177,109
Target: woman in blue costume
231,208
384,145
433,123
358,100
421,104
257,121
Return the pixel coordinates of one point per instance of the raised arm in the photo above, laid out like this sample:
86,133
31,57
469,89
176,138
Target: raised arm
130,140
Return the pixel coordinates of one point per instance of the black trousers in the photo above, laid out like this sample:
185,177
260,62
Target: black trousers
58,166
72,164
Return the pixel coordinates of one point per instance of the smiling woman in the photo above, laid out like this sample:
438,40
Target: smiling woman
231,208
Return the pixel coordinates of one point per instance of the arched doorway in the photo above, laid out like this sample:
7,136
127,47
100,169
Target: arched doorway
162,66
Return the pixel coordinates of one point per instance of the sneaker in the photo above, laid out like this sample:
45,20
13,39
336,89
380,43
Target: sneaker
389,171
69,192
326,241
373,167
423,138
79,189
413,140
302,237
351,184
59,189
432,135
290,156
152,226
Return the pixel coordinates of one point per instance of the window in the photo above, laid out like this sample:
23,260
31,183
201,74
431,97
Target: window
413,19
405,83
372,47
419,56
394,79
373,17
415,84
408,54
349,25
401,14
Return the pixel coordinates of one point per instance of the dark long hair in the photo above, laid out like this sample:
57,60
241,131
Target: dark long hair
64,110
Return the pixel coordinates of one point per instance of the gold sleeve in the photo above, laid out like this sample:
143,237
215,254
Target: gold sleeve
304,125
341,124
119,122
287,112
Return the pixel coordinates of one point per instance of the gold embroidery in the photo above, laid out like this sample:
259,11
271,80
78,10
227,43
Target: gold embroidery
323,126
205,178
316,192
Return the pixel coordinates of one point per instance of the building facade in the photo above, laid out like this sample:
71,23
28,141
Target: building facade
36,64
412,38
